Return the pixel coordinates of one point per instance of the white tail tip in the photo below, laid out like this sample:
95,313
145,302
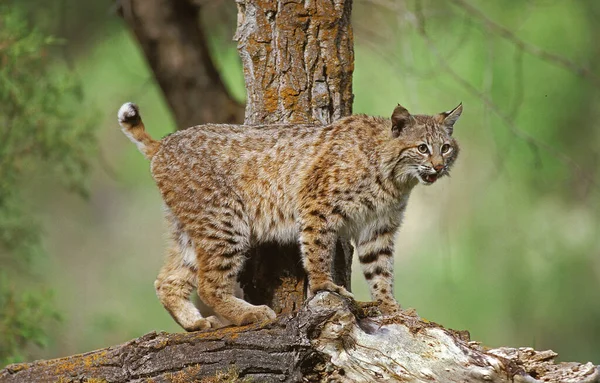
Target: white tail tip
129,113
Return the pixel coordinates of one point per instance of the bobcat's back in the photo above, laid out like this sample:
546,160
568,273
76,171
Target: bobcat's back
264,168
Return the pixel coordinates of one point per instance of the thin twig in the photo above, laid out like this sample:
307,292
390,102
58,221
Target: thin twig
375,35
527,47
518,85
531,141
106,166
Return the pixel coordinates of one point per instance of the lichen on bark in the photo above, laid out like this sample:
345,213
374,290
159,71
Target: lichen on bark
298,60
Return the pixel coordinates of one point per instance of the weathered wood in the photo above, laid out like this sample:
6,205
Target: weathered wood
298,62
329,340
175,46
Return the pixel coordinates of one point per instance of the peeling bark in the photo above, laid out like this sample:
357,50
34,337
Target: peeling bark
175,46
330,339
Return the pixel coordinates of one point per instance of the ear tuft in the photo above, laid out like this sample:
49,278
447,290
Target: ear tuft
449,118
400,119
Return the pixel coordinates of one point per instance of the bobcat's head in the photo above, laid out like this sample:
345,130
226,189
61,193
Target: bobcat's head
428,148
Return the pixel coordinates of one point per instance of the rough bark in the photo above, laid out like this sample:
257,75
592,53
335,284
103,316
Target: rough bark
174,43
298,61
329,340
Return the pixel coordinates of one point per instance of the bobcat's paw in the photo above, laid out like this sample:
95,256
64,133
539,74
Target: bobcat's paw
215,322
330,286
256,314
210,322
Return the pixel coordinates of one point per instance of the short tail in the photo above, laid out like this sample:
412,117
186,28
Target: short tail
133,127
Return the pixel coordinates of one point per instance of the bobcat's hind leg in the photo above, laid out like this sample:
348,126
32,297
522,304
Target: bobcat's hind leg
174,285
221,255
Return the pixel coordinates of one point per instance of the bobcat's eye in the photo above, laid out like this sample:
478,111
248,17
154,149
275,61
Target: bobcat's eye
445,148
423,148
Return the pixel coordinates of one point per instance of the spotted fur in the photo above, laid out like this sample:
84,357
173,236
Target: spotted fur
227,188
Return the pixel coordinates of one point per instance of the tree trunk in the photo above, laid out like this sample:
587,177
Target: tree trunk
298,61
329,340
174,44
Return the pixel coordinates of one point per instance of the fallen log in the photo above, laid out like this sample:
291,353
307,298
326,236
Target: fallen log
330,339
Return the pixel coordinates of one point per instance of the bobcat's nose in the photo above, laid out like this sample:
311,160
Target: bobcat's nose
438,168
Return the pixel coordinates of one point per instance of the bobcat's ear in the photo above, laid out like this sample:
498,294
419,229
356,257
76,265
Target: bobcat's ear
449,118
400,119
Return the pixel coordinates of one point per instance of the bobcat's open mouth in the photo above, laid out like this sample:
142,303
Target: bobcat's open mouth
429,178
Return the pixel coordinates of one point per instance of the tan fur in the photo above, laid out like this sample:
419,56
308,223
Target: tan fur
227,188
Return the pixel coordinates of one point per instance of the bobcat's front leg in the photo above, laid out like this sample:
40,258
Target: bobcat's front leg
375,248
318,235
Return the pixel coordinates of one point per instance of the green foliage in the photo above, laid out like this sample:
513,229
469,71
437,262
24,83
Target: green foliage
20,321
38,134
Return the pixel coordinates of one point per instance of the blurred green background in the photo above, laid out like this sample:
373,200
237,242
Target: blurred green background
507,248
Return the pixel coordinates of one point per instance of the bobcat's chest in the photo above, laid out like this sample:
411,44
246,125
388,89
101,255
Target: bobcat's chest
369,218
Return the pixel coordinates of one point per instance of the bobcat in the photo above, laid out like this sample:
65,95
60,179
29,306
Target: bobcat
228,187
